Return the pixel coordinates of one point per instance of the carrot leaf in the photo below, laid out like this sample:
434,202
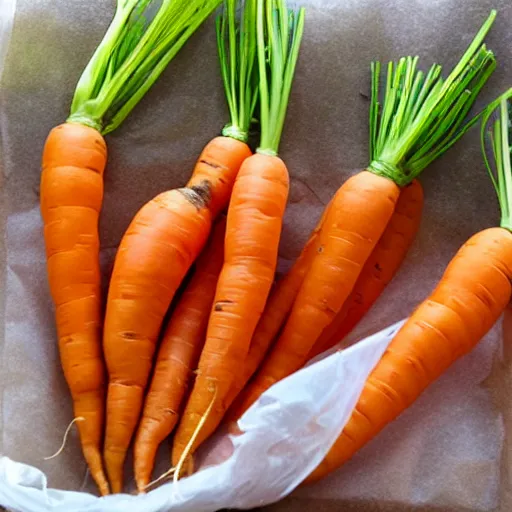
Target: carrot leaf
497,128
279,34
420,117
143,37
236,40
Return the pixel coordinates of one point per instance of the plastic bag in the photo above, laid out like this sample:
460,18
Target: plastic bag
286,434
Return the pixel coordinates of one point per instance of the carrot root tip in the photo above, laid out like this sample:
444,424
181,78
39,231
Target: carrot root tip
185,455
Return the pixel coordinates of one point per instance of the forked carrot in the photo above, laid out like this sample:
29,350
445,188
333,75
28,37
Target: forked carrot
421,118
254,225
379,269
473,292
178,355
130,58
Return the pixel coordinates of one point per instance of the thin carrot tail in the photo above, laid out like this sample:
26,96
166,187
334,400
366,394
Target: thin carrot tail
151,432
122,400
90,406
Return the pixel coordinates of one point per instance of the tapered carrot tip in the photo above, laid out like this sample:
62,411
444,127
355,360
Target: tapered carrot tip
93,457
144,453
114,462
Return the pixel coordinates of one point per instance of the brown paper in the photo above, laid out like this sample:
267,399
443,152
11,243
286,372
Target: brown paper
448,450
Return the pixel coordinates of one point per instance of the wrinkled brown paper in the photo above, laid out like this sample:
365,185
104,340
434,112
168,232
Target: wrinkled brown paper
451,449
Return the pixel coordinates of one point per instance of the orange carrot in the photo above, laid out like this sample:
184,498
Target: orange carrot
473,292
209,190
357,217
156,252
74,159
178,355
278,307
379,269
127,62
253,231
421,118
470,297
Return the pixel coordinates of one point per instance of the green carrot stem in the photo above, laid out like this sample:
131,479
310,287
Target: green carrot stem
131,56
499,132
236,42
423,116
279,34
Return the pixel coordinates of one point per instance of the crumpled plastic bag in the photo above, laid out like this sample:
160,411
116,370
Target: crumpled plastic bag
286,434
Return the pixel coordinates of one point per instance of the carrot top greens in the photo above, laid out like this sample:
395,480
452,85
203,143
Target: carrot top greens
279,34
499,131
142,39
422,116
236,41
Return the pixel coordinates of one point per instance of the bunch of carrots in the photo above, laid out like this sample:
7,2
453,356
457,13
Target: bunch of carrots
136,376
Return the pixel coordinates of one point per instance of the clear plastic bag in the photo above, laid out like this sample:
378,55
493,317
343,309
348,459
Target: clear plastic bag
286,434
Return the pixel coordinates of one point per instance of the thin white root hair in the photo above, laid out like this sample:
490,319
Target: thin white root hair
86,478
70,426
163,476
188,448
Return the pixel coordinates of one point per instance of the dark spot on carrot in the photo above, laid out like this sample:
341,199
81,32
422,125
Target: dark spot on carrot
321,248
90,168
222,180
219,306
198,195
129,335
210,164
378,268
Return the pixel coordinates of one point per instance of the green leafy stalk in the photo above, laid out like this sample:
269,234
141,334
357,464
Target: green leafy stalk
420,117
279,34
135,50
236,40
499,132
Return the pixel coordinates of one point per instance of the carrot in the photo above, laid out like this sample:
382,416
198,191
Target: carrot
254,225
156,252
421,118
277,308
125,65
473,292
467,302
71,197
209,190
379,269
178,354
